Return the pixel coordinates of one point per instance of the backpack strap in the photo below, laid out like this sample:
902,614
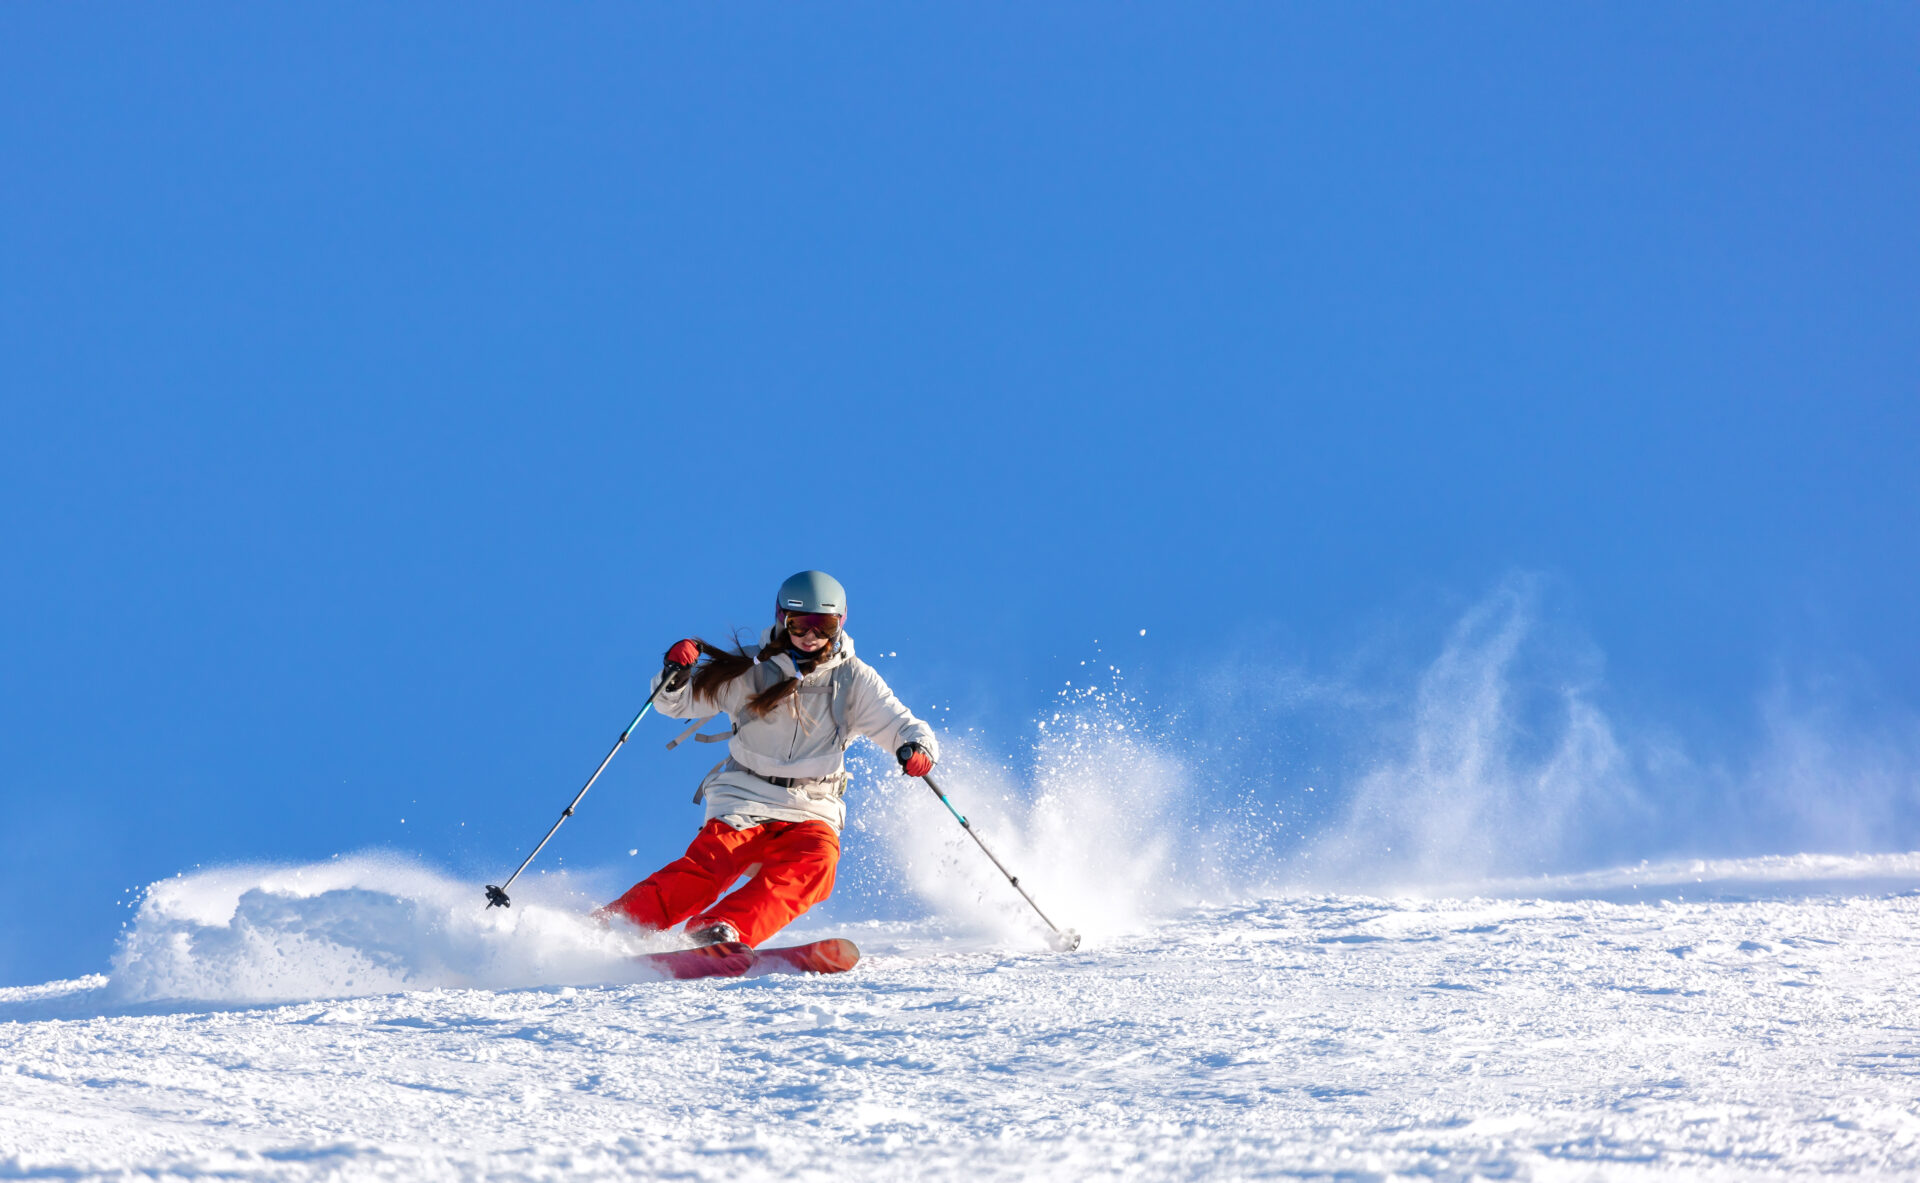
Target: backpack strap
842,689
700,794
752,651
681,738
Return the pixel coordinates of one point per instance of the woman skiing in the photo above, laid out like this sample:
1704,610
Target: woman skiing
774,805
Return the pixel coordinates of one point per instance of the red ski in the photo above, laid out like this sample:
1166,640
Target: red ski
730,959
835,956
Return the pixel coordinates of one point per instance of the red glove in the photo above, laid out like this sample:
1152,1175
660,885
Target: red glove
914,760
683,653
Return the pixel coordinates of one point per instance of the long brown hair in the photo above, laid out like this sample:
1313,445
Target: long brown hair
724,665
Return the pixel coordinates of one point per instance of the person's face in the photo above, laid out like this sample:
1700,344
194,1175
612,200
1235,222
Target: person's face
804,639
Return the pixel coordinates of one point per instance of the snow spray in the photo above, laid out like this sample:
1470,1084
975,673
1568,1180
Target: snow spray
1493,760
369,924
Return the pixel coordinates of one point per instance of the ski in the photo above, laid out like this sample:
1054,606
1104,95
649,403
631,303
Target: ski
835,956
730,959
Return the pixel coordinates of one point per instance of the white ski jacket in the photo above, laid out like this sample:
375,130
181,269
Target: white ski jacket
804,740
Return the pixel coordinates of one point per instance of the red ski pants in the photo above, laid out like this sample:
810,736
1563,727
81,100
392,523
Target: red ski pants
797,861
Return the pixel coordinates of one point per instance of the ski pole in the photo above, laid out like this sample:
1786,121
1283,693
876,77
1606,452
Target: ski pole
1066,940
498,895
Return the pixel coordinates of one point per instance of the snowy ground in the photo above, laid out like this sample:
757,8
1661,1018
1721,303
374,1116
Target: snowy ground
1600,1027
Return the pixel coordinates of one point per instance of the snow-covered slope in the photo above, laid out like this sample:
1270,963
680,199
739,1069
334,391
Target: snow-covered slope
1764,1024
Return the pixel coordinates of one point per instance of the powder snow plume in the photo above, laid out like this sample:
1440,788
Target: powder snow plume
1509,755
369,924
1492,768
1493,756
1102,823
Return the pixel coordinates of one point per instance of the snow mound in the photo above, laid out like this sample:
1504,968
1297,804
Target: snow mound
355,926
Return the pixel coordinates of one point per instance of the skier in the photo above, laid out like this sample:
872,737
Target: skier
774,805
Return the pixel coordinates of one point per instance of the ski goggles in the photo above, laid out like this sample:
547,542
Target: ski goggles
824,623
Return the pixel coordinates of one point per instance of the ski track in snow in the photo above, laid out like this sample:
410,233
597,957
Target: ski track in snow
1594,1027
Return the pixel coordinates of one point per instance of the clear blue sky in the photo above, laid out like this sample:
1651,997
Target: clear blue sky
385,387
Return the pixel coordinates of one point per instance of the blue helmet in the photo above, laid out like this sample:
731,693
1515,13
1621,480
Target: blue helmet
811,591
